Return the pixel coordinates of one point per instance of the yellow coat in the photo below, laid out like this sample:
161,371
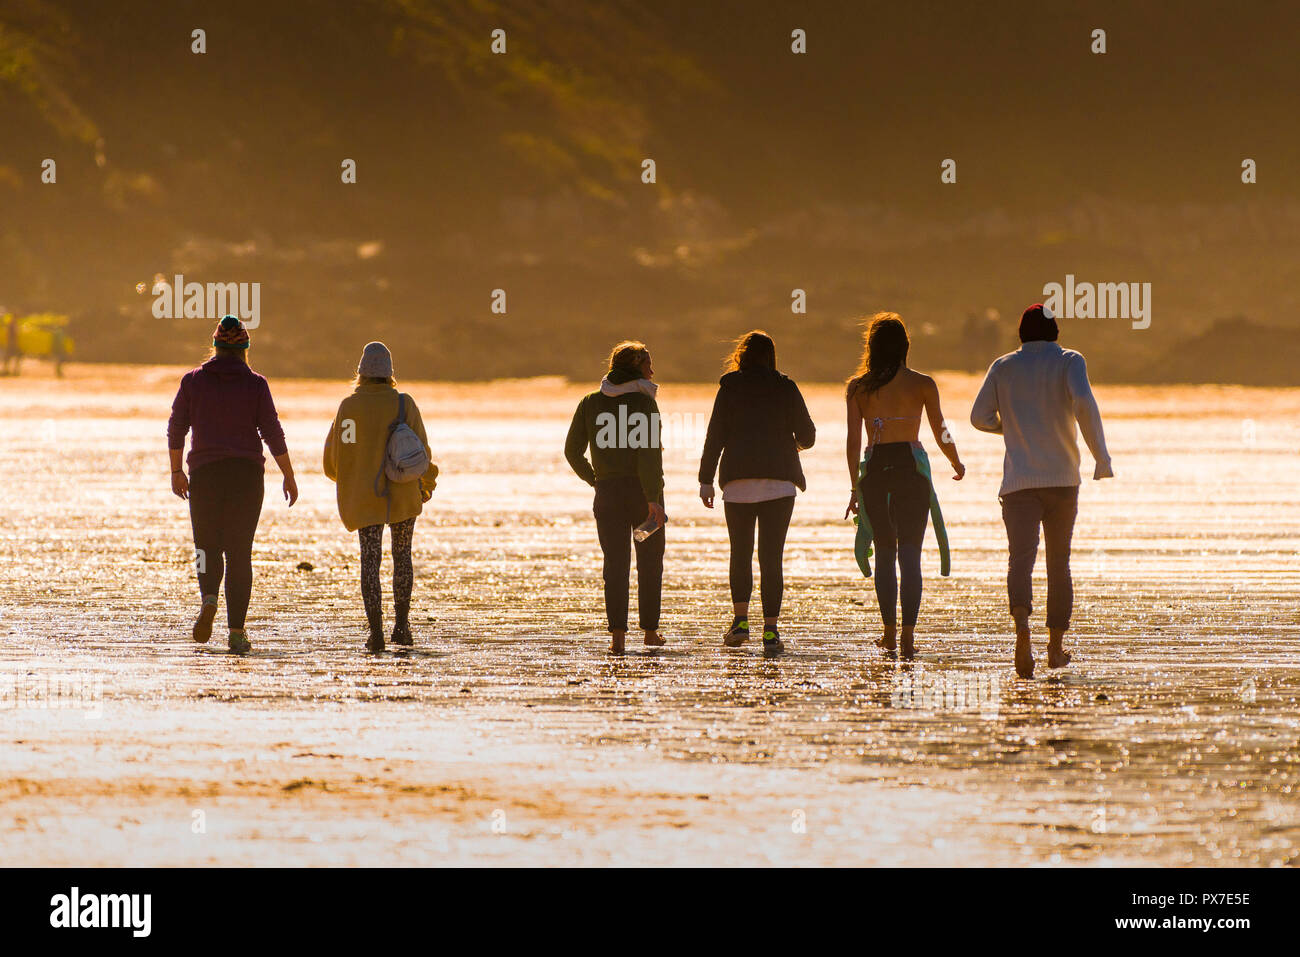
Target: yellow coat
354,457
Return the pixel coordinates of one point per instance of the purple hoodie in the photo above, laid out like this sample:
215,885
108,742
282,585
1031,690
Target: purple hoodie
229,407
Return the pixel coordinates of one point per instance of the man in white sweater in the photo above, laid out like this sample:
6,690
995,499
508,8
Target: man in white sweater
1033,397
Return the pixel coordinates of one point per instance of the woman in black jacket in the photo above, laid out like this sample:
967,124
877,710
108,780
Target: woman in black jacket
758,426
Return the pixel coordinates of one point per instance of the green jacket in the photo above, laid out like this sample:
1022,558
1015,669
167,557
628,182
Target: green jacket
862,543
622,433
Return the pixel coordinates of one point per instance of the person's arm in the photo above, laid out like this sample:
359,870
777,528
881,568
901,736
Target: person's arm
330,457
650,468
268,425
650,461
984,414
177,428
714,440
1088,416
805,433
290,483
940,429
429,480
575,446
853,452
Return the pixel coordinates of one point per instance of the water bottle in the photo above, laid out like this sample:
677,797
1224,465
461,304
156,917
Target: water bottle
647,528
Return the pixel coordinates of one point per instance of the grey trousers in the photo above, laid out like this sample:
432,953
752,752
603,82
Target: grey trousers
1022,513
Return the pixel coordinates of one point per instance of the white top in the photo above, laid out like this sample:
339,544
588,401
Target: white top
1033,397
749,491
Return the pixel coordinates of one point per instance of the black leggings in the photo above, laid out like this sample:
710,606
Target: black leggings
372,554
225,504
773,519
897,501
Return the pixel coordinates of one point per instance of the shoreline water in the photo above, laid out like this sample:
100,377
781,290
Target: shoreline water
1172,740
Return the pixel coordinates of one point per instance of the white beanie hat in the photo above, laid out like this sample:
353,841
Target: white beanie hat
376,361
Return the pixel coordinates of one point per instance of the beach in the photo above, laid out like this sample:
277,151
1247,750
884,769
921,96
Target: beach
507,735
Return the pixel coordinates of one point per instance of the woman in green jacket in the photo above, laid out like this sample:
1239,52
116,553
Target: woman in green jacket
619,423
355,452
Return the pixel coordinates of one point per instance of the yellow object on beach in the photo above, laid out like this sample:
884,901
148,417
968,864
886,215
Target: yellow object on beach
38,335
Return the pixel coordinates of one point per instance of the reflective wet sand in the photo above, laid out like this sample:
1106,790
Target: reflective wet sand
508,735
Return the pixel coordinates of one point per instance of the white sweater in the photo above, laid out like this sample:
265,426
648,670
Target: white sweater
1033,397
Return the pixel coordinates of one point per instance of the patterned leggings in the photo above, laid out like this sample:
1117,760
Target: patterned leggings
372,553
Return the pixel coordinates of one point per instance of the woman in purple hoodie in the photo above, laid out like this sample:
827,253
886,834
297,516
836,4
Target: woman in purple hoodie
230,410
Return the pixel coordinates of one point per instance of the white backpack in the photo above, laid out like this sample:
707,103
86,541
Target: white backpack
405,458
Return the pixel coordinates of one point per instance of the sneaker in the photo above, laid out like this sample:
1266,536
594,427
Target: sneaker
772,645
239,643
738,633
203,624
402,636
375,643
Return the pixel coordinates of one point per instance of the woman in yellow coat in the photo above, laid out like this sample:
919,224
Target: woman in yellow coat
355,452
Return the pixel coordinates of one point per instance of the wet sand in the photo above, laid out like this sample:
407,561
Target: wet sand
508,736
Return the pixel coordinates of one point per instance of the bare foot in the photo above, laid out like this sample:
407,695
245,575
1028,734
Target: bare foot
908,650
1024,649
616,642
654,640
1057,657
203,624
886,641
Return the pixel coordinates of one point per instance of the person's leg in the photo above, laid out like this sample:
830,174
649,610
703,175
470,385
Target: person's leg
372,555
1061,506
403,579
773,525
910,508
614,529
741,517
207,495
1022,512
649,574
875,501
243,508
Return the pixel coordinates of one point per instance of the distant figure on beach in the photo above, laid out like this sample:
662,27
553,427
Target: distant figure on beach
619,423
893,491
384,474
13,350
1033,397
229,408
759,424
58,351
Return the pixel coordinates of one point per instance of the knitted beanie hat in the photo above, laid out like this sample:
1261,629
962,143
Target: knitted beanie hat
376,361
230,333
1038,324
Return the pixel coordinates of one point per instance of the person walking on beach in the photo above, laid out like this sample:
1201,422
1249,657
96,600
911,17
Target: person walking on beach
378,456
13,348
758,425
893,493
1033,397
620,424
229,408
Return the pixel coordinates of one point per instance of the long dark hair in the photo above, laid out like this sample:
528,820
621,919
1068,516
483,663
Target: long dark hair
753,350
883,354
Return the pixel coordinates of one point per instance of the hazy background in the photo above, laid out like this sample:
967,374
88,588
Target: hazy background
775,171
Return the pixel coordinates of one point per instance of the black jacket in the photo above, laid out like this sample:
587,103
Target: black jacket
758,426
